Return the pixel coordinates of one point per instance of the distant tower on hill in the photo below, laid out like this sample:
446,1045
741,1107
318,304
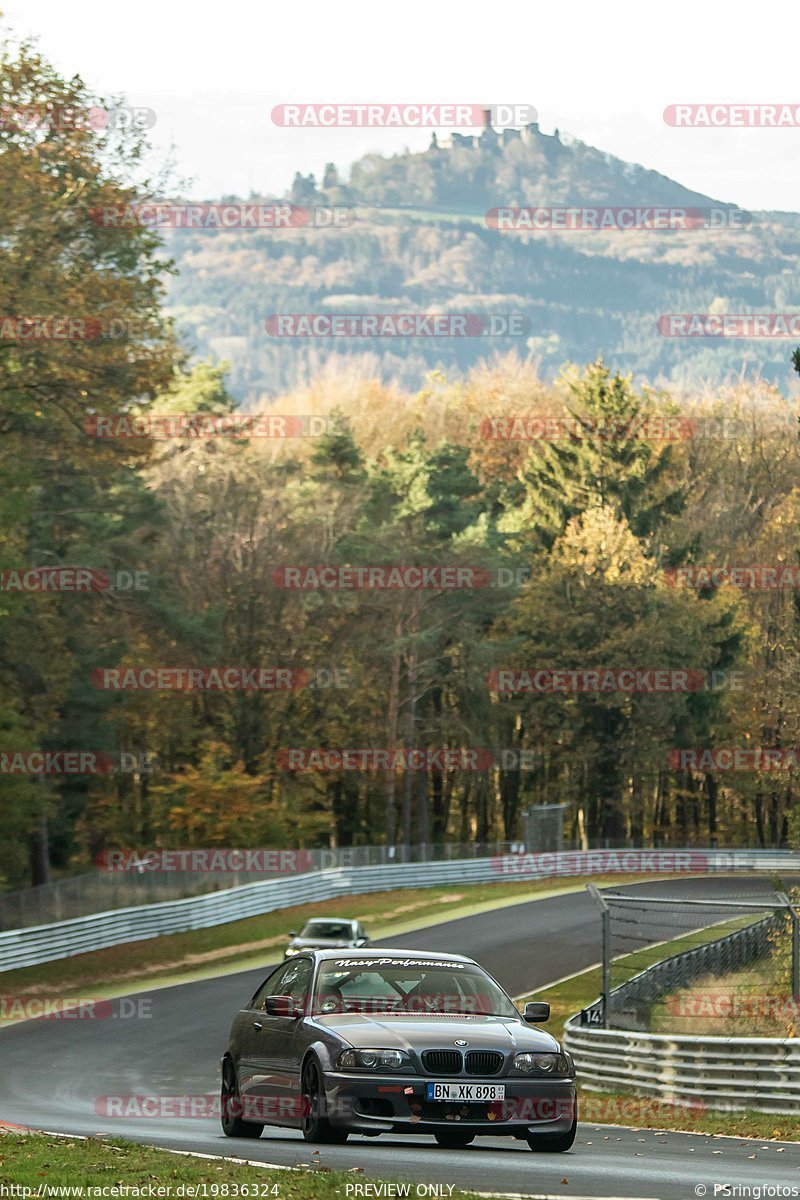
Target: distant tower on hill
487,136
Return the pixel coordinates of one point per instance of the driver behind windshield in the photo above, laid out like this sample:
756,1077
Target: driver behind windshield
408,990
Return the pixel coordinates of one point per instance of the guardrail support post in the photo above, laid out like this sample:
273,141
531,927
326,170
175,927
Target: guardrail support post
605,914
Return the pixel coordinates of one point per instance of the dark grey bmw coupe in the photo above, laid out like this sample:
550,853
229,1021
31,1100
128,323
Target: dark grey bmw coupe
394,1041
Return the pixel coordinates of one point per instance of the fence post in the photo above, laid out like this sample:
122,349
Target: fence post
793,917
795,952
605,914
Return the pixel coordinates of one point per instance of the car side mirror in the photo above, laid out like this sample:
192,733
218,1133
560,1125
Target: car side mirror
536,1012
362,941
280,1006
293,933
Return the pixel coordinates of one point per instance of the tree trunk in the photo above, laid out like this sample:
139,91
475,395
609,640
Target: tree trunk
712,792
391,730
408,782
423,816
40,854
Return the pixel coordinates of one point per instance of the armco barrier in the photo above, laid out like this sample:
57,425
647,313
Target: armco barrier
43,943
724,1074
112,887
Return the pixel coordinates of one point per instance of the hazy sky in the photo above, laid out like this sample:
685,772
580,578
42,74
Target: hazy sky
605,73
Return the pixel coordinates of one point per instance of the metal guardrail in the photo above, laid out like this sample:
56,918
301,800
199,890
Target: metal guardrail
43,943
101,890
724,1074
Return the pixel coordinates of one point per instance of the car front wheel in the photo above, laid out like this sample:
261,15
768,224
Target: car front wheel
316,1126
231,1107
555,1142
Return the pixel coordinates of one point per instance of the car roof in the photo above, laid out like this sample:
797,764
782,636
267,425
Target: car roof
388,955
331,921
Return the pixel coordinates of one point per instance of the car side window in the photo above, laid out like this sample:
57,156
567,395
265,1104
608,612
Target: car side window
271,986
296,981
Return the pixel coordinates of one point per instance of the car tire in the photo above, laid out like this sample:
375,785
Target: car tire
453,1139
316,1126
231,1105
555,1143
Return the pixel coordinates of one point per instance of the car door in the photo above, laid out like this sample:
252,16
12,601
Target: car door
277,1043
290,1038
250,1023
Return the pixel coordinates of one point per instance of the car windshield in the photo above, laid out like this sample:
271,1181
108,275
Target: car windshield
408,985
327,929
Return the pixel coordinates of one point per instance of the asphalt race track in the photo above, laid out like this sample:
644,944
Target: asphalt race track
52,1071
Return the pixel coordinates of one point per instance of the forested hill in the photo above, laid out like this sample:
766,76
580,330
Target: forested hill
420,242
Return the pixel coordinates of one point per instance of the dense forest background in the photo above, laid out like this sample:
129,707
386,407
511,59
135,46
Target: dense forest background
589,528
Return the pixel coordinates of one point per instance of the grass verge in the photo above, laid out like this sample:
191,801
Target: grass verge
40,1161
755,1001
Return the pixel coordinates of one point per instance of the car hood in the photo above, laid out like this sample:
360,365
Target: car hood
437,1032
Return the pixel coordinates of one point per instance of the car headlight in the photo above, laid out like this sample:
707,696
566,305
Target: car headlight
289,951
371,1060
545,1064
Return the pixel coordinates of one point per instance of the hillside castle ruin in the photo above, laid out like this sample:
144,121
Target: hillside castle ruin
493,139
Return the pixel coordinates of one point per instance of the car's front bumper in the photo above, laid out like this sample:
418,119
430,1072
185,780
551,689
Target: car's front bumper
388,1104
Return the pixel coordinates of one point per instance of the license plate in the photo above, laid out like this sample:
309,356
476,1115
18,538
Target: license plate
465,1091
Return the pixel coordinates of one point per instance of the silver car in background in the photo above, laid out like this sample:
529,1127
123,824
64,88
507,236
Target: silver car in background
327,933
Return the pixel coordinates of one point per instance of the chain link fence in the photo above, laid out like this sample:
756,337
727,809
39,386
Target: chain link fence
655,947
